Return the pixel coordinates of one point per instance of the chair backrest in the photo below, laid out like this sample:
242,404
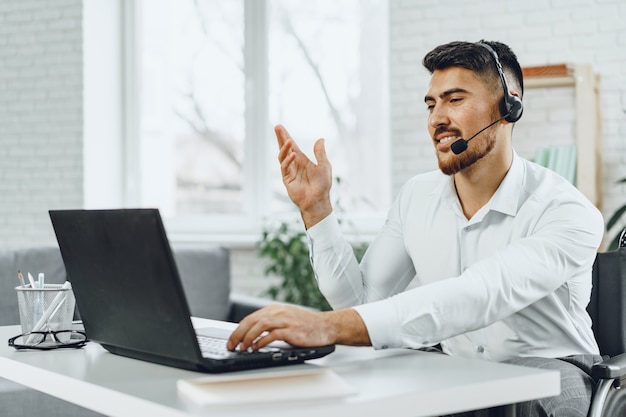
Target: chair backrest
608,301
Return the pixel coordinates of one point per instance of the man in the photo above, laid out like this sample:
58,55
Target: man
501,249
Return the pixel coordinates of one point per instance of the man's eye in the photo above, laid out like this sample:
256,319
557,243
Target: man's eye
456,99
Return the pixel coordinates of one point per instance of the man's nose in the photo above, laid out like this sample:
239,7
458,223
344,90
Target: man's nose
438,117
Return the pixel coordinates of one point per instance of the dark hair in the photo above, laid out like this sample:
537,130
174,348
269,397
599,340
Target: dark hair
478,59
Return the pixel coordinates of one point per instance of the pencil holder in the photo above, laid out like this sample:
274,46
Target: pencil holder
47,308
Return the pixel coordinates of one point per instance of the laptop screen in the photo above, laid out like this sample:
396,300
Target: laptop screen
125,281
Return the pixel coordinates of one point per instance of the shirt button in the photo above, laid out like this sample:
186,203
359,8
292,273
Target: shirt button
480,349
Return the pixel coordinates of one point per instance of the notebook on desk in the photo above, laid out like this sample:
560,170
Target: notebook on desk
131,300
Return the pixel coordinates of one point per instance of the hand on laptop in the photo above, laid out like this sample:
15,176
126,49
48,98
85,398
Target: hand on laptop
299,327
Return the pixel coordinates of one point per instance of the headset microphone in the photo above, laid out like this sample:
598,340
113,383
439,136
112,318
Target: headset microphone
461,145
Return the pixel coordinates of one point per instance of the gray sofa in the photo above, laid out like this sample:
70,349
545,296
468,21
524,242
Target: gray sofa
204,271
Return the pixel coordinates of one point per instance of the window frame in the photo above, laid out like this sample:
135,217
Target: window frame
230,229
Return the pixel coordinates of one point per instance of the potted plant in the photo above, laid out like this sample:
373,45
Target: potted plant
286,248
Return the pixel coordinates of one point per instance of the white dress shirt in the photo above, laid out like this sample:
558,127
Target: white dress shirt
514,280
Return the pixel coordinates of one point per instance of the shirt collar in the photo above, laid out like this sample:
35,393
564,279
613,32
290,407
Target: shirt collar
505,199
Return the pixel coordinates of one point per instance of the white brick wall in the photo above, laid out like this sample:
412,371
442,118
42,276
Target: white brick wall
540,33
40,116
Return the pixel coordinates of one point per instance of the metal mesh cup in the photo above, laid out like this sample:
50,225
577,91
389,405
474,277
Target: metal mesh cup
48,308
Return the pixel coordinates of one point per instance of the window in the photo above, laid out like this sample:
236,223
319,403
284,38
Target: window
214,76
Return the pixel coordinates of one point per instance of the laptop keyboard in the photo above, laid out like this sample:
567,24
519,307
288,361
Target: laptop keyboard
212,347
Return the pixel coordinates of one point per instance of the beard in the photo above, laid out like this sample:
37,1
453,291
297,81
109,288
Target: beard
450,163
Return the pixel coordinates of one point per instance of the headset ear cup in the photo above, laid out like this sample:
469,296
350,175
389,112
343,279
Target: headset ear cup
512,107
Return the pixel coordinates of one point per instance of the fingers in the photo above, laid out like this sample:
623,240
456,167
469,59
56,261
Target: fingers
288,149
320,152
257,330
286,152
292,159
282,135
291,324
284,138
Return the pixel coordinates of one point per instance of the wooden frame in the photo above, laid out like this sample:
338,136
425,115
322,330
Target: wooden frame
586,85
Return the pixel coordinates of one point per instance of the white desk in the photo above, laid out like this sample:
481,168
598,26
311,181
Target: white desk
391,382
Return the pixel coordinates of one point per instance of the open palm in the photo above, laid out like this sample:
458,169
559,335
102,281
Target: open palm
308,184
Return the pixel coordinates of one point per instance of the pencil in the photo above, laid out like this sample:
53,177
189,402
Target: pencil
21,278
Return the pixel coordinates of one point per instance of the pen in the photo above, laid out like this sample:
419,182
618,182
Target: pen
58,300
38,302
31,280
40,280
21,278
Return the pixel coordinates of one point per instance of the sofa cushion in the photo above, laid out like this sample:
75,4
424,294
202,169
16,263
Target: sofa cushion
204,272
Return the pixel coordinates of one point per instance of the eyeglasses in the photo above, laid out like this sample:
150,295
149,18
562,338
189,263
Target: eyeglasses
50,339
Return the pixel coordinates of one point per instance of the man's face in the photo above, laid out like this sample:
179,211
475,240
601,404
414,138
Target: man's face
459,105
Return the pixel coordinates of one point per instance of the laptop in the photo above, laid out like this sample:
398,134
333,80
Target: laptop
130,296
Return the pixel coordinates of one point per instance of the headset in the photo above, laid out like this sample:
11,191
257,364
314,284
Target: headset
511,107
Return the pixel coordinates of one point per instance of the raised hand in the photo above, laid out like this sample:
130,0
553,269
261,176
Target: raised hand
308,184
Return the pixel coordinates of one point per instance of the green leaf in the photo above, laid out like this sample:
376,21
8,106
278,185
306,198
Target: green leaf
614,242
615,217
